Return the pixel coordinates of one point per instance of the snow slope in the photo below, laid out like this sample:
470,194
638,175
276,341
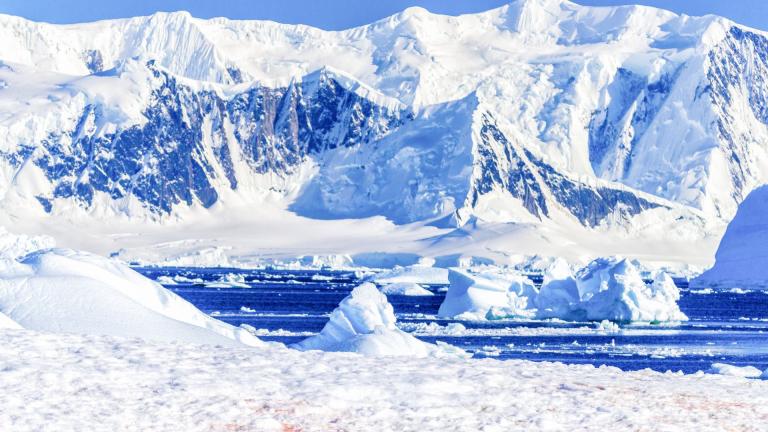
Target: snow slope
742,257
557,121
74,382
60,290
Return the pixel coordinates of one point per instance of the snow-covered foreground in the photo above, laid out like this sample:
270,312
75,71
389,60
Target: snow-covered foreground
68,382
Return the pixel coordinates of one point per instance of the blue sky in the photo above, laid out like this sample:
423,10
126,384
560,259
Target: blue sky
335,14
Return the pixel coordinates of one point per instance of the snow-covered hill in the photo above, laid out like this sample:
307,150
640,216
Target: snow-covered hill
541,113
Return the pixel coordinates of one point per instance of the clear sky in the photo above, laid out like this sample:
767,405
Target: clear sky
336,14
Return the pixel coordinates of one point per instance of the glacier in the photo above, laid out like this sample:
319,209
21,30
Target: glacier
541,123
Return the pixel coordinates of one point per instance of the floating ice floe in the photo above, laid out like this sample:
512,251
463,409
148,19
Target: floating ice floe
413,274
364,322
229,280
607,289
406,289
166,280
61,290
738,371
488,295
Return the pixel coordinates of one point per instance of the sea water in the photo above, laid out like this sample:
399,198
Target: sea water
726,326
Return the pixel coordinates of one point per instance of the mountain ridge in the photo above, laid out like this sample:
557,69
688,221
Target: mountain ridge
537,112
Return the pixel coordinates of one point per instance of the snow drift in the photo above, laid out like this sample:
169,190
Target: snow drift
742,257
364,323
62,290
606,289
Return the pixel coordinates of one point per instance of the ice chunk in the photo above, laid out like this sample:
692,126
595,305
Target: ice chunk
230,280
61,290
413,274
364,322
738,371
406,289
608,289
488,295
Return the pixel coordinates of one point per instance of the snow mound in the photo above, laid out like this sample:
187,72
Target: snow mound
62,290
406,289
742,257
737,371
364,322
488,295
608,289
412,274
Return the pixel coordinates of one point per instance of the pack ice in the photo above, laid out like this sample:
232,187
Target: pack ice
364,322
62,290
606,289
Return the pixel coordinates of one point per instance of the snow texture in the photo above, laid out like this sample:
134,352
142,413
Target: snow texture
66,291
79,382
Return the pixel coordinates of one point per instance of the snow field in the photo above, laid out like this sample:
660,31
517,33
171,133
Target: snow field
103,383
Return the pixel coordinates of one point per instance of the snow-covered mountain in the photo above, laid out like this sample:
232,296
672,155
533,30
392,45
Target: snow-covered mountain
538,112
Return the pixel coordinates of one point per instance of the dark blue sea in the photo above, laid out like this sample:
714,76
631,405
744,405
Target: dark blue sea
288,305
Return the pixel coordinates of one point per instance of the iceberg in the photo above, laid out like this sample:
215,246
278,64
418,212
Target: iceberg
406,289
364,322
608,289
488,295
742,257
736,371
62,290
412,274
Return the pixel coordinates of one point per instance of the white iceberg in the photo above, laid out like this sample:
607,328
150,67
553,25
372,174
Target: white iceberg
364,322
61,290
406,289
737,371
412,274
608,289
488,295
742,257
